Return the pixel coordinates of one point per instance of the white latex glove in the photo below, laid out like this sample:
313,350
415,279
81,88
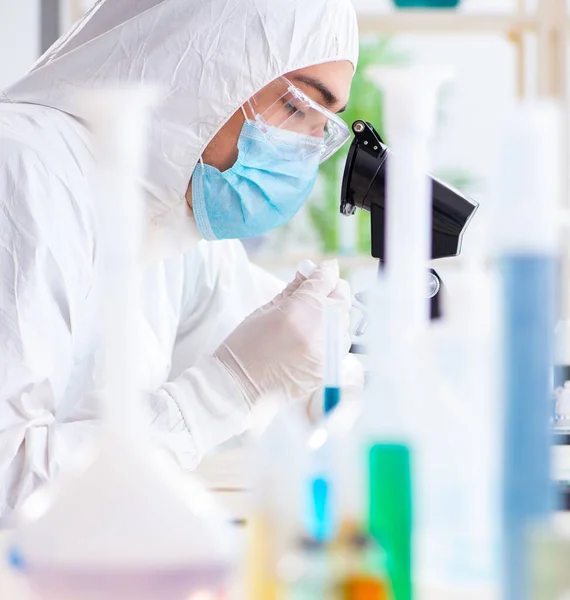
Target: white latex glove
279,347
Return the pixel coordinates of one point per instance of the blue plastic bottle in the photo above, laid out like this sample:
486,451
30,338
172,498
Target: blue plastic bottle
527,200
528,289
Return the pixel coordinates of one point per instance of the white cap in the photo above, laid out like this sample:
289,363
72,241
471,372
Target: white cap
528,180
410,99
306,267
411,95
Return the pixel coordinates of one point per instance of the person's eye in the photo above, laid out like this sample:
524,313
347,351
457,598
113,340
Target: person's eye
294,111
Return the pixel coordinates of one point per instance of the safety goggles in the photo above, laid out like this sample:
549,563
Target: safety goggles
280,107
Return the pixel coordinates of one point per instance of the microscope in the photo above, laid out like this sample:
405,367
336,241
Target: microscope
364,187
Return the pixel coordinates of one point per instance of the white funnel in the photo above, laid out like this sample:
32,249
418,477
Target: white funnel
131,525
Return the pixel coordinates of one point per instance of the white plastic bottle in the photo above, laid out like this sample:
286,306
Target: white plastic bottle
386,434
460,442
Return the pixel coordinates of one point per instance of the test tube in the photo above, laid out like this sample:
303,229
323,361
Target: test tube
332,320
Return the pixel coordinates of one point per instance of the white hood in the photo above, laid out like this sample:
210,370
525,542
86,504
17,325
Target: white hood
206,56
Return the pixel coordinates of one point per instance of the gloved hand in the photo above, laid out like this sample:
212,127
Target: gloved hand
279,347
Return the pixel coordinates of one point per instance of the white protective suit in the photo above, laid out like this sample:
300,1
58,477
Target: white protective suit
208,57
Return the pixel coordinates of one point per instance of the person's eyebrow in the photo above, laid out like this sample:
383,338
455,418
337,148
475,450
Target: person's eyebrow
329,98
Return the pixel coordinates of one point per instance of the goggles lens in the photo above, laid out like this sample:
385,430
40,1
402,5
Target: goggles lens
281,107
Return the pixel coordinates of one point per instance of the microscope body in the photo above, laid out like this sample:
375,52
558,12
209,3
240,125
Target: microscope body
364,187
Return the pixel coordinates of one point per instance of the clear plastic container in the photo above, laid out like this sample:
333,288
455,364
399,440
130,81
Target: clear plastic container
306,572
276,465
360,566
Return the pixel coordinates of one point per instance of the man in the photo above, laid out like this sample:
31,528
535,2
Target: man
249,89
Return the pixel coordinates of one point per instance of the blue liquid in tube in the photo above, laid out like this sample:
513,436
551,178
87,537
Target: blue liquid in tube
332,398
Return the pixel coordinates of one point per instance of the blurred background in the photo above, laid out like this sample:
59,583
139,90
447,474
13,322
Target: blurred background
494,64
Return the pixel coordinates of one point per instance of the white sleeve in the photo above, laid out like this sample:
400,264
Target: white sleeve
45,275
202,405
221,288
37,315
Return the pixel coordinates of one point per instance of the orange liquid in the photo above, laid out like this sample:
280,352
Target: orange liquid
365,588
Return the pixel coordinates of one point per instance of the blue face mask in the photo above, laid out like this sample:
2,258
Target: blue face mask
266,187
